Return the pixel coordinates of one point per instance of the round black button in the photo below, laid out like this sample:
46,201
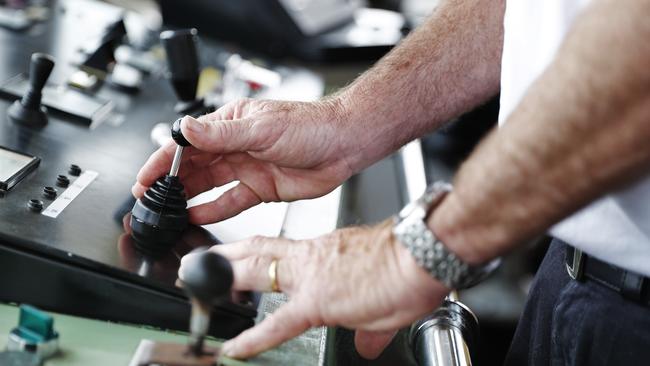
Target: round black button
49,192
62,181
74,170
35,205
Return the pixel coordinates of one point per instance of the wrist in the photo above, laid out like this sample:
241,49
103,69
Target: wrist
448,224
411,271
364,129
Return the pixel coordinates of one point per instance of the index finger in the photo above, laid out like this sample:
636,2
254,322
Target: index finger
289,321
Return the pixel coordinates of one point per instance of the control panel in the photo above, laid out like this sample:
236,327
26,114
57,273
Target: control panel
81,100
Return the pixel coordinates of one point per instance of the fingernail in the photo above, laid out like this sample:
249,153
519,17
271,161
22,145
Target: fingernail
193,124
134,191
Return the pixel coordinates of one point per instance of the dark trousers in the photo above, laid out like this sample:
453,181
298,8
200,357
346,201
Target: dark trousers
567,322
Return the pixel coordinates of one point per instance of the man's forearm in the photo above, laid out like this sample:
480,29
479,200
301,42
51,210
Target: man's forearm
450,64
582,129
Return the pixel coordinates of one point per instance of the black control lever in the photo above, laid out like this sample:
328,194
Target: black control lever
183,62
29,110
206,277
104,54
159,218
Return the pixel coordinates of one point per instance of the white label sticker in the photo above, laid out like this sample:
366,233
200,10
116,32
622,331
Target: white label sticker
56,207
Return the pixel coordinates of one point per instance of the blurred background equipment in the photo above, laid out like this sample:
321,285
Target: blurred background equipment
34,334
183,64
314,30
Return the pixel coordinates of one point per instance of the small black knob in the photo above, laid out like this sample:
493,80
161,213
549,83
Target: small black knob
74,170
177,134
35,205
49,192
62,181
207,276
29,110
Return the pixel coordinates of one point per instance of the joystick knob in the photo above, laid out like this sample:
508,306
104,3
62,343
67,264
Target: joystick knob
206,277
177,134
183,63
29,110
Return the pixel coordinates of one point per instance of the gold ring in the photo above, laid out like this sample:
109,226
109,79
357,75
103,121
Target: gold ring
273,275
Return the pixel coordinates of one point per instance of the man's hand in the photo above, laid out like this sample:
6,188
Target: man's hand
359,278
278,151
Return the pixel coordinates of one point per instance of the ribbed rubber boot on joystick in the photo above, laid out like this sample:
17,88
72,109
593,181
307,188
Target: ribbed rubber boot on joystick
159,218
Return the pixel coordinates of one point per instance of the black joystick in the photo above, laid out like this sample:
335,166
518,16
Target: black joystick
29,110
159,218
207,277
183,63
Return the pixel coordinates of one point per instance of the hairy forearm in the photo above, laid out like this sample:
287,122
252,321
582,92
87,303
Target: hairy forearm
582,129
450,64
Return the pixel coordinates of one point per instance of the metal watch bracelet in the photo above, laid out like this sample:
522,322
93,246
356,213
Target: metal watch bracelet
430,253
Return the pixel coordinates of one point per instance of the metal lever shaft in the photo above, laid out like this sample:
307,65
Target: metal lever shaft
176,163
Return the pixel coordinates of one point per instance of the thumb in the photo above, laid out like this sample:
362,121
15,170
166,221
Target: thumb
371,344
220,136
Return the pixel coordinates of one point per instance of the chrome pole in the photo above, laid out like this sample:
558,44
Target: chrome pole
445,336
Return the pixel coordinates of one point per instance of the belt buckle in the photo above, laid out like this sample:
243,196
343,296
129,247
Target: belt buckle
575,269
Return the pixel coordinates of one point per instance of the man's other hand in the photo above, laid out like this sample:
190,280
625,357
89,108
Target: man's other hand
359,278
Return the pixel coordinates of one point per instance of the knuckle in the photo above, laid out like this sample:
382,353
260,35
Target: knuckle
257,240
240,107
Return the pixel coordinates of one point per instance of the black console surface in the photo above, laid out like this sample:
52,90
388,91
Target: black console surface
82,261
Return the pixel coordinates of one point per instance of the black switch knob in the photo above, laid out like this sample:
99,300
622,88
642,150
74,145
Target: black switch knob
207,276
29,110
177,134
40,68
183,62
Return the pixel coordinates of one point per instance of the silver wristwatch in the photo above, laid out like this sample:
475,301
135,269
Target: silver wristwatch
430,253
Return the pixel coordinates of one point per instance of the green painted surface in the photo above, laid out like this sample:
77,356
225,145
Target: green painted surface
85,342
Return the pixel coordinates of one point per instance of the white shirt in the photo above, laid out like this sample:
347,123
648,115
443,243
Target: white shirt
615,228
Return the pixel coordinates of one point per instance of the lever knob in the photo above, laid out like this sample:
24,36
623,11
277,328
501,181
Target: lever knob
183,61
207,276
40,68
177,134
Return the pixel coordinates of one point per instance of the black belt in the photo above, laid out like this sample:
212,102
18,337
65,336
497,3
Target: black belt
630,285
